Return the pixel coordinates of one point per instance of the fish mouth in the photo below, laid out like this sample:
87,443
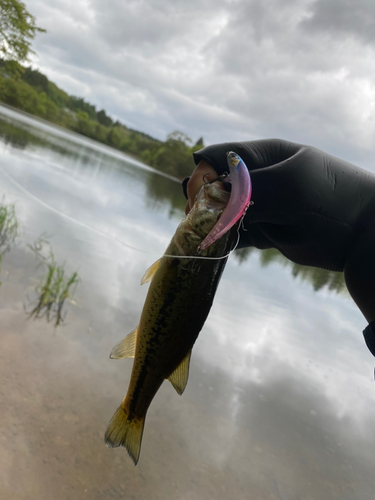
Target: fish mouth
216,194
226,185
210,203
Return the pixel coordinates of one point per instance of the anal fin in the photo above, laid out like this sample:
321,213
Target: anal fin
126,347
179,377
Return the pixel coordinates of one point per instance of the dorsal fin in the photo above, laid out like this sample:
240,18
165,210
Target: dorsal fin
179,377
150,272
126,347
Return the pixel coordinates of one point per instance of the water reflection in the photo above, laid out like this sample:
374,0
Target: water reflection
286,433
318,278
280,402
18,137
158,194
23,135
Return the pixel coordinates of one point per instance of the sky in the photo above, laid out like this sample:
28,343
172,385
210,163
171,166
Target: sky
224,70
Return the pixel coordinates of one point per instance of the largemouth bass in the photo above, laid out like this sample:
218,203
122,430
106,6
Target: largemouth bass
177,305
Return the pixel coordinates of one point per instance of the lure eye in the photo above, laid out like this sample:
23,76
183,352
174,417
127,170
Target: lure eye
232,159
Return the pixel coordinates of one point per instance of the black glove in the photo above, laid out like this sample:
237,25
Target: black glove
307,204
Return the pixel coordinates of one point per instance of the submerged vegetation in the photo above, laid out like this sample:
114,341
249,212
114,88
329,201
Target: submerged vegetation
31,91
54,287
9,228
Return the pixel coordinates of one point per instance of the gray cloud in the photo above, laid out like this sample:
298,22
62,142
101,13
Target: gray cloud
301,70
343,17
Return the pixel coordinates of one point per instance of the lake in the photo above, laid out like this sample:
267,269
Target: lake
280,402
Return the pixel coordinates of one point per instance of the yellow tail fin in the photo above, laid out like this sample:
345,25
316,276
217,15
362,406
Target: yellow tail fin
124,432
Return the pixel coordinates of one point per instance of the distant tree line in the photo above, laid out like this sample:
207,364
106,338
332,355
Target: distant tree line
31,91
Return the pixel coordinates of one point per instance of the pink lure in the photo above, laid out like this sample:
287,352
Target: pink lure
239,199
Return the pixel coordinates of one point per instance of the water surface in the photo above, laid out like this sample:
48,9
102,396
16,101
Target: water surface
280,402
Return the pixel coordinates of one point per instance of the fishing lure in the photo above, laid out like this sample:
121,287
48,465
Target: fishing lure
239,200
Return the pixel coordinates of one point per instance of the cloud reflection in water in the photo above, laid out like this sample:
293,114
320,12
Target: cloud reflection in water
280,401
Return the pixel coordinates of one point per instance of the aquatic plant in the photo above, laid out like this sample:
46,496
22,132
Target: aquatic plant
54,287
9,227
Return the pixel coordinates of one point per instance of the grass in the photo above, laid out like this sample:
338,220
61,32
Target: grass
54,288
9,228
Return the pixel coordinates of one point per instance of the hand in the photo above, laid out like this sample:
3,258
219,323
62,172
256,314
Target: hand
203,170
314,208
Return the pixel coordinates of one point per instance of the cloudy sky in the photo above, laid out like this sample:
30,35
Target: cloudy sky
227,70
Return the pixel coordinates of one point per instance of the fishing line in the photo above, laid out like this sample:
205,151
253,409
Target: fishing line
206,258
102,233
196,257
72,219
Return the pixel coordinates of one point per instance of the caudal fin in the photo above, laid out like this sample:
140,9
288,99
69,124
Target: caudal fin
124,432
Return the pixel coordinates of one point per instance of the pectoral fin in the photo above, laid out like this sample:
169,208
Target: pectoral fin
180,376
126,347
149,274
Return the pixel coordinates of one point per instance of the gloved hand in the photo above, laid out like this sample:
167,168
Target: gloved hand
316,209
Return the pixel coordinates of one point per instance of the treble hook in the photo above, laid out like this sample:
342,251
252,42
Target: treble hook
220,178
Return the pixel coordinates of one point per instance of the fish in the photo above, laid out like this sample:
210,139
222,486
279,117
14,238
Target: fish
182,289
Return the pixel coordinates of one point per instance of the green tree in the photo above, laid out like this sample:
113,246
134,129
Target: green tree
104,119
31,91
174,156
17,29
36,79
79,104
114,137
84,125
58,96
